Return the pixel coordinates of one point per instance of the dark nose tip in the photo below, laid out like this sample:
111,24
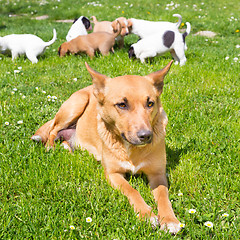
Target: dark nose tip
145,136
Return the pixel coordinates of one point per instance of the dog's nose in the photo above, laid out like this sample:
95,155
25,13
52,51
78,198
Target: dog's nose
145,136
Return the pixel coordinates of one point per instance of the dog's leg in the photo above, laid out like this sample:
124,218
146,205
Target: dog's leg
181,55
14,55
175,57
166,215
145,55
90,53
135,199
31,57
68,114
42,133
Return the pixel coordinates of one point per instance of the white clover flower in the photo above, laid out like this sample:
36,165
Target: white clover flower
88,219
72,227
225,215
20,122
7,123
192,211
208,224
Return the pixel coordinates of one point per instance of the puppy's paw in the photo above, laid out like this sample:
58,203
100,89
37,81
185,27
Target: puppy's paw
154,221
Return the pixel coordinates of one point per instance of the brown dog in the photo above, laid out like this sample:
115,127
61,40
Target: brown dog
122,123
89,44
106,26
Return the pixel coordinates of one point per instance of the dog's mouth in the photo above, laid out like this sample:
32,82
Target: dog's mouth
143,138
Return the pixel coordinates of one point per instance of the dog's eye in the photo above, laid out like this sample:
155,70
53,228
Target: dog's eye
150,104
122,105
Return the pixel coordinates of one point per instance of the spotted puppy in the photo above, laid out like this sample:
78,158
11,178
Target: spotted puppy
143,28
25,44
80,27
160,43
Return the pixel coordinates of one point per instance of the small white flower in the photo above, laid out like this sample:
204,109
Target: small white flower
225,214
88,219
192,211
16,71
44,92
180,194
72,227
15,89
208,224
6,123
20,122
54,97
36,88
235,59
226,58
23,96
19,68
48,96
181,225
12,92
237,46
75,79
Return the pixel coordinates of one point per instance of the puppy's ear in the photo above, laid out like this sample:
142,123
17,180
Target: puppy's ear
115,26
99,81
157,77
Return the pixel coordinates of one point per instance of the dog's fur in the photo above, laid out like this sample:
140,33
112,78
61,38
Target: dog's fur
79,27
89,44
160,43
25,44
144,28
122,123
110,27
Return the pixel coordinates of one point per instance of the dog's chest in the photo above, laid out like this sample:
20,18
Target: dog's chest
129,167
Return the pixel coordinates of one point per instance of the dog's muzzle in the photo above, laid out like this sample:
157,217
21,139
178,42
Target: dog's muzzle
143,137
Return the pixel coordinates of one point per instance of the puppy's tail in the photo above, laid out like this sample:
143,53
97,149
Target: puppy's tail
53,39
179,19
94,19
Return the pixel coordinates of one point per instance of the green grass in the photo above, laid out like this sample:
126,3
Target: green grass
43,193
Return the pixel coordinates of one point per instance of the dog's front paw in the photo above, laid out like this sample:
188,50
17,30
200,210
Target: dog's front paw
172,226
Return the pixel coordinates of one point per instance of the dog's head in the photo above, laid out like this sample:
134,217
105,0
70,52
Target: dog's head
124,23
129,105
63,49
131,53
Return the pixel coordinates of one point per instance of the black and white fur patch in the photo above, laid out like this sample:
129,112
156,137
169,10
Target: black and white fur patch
168,38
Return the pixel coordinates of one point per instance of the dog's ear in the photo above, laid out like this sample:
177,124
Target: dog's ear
115,25
99,81
157,77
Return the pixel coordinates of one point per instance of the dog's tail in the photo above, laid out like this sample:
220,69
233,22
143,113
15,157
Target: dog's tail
179,19
94,19
53,39
117,29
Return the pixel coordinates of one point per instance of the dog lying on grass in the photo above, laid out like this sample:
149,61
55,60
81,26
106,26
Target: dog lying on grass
122,123
25,44
89,44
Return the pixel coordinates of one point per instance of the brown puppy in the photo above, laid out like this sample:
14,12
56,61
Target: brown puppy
110,27
122,123
89,44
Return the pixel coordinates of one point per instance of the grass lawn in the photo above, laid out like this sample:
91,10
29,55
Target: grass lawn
49,195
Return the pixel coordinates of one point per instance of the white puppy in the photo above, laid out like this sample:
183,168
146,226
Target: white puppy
28,44
160,43
144,28
80,27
